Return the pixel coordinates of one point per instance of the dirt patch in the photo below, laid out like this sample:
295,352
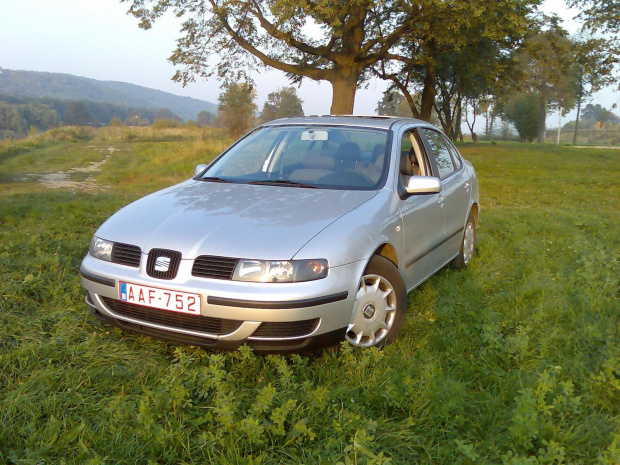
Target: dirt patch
69,180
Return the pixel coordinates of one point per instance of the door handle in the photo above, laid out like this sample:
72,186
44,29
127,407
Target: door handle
441,200
466,186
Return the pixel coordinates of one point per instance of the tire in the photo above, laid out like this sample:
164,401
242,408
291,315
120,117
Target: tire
468,245
380,305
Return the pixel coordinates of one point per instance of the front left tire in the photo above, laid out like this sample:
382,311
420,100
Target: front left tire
380,305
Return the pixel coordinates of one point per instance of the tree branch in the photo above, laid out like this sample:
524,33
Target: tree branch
306,71
273,31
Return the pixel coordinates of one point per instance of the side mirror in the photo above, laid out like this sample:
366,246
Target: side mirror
423,185
199,169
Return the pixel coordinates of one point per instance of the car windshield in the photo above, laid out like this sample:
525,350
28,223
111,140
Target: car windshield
327,157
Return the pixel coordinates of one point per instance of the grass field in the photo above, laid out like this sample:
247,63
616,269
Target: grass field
515,360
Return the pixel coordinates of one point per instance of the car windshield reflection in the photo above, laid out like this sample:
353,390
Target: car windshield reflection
306,156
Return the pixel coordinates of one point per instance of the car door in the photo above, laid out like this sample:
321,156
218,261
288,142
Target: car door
423,215
455,187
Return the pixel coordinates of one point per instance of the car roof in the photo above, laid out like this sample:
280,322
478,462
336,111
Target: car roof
381,122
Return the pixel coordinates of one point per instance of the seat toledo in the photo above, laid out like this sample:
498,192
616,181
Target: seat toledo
304,233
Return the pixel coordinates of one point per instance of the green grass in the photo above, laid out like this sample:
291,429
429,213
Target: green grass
515,360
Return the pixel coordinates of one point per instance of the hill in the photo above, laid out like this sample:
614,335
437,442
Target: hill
69,87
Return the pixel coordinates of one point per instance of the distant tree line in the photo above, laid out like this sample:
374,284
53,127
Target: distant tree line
19,115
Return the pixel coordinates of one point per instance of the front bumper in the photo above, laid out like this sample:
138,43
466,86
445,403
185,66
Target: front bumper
269,317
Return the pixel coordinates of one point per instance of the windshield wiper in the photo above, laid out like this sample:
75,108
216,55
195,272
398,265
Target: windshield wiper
282,182
217,179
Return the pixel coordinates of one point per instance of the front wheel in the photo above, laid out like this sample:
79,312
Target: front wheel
468,244
380,305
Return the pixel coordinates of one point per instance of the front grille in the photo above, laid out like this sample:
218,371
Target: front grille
208,266
157,265
286,329
201,324
125,254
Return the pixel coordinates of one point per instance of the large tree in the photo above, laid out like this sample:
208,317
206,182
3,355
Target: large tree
475,34
283,103
236,108
594,66
393,104
226,37
546,60
521,109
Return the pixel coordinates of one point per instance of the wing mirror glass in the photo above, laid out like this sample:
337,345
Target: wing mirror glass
199,169
423,185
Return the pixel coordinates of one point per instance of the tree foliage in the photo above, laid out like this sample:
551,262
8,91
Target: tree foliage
599,114
76,114
165,113
206,118
547,67
599,15
282,104
463,40
236,108
594,66
17,119
393,103
225,38
521,109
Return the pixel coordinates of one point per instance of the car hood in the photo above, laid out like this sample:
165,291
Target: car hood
231,220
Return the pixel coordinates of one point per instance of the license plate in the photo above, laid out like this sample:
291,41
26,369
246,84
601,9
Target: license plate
164,299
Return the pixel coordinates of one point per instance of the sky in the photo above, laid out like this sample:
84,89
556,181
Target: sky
99,40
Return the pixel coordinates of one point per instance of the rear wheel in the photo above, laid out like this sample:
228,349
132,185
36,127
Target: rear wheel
380,305
468,244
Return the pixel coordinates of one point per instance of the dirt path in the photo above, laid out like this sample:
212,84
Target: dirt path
611,147
62,179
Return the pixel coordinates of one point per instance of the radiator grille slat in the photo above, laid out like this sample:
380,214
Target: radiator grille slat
209,266
126,254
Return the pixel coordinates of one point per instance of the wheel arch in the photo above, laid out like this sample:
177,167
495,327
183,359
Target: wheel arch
475,211
388,251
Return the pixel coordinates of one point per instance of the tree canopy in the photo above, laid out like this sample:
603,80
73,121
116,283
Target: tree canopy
350,37
339,42
236,108
521,109
599,15
282,104
393,104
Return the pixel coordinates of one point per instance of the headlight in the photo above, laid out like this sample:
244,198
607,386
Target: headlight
101,249
280,271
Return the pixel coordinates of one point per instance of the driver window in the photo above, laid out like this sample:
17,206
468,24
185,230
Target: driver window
411,163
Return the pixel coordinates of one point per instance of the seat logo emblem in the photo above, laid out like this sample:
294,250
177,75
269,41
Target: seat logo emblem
162,263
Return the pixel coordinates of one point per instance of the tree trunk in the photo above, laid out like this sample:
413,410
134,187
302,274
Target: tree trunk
343,95
542,114
429,92
579,98
458,120
474,137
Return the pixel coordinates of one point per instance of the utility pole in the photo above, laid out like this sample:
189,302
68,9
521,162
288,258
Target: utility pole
559,124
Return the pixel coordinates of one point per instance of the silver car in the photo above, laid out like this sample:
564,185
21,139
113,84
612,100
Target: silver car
304,233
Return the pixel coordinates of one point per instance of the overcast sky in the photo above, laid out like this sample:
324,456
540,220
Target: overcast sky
97,39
